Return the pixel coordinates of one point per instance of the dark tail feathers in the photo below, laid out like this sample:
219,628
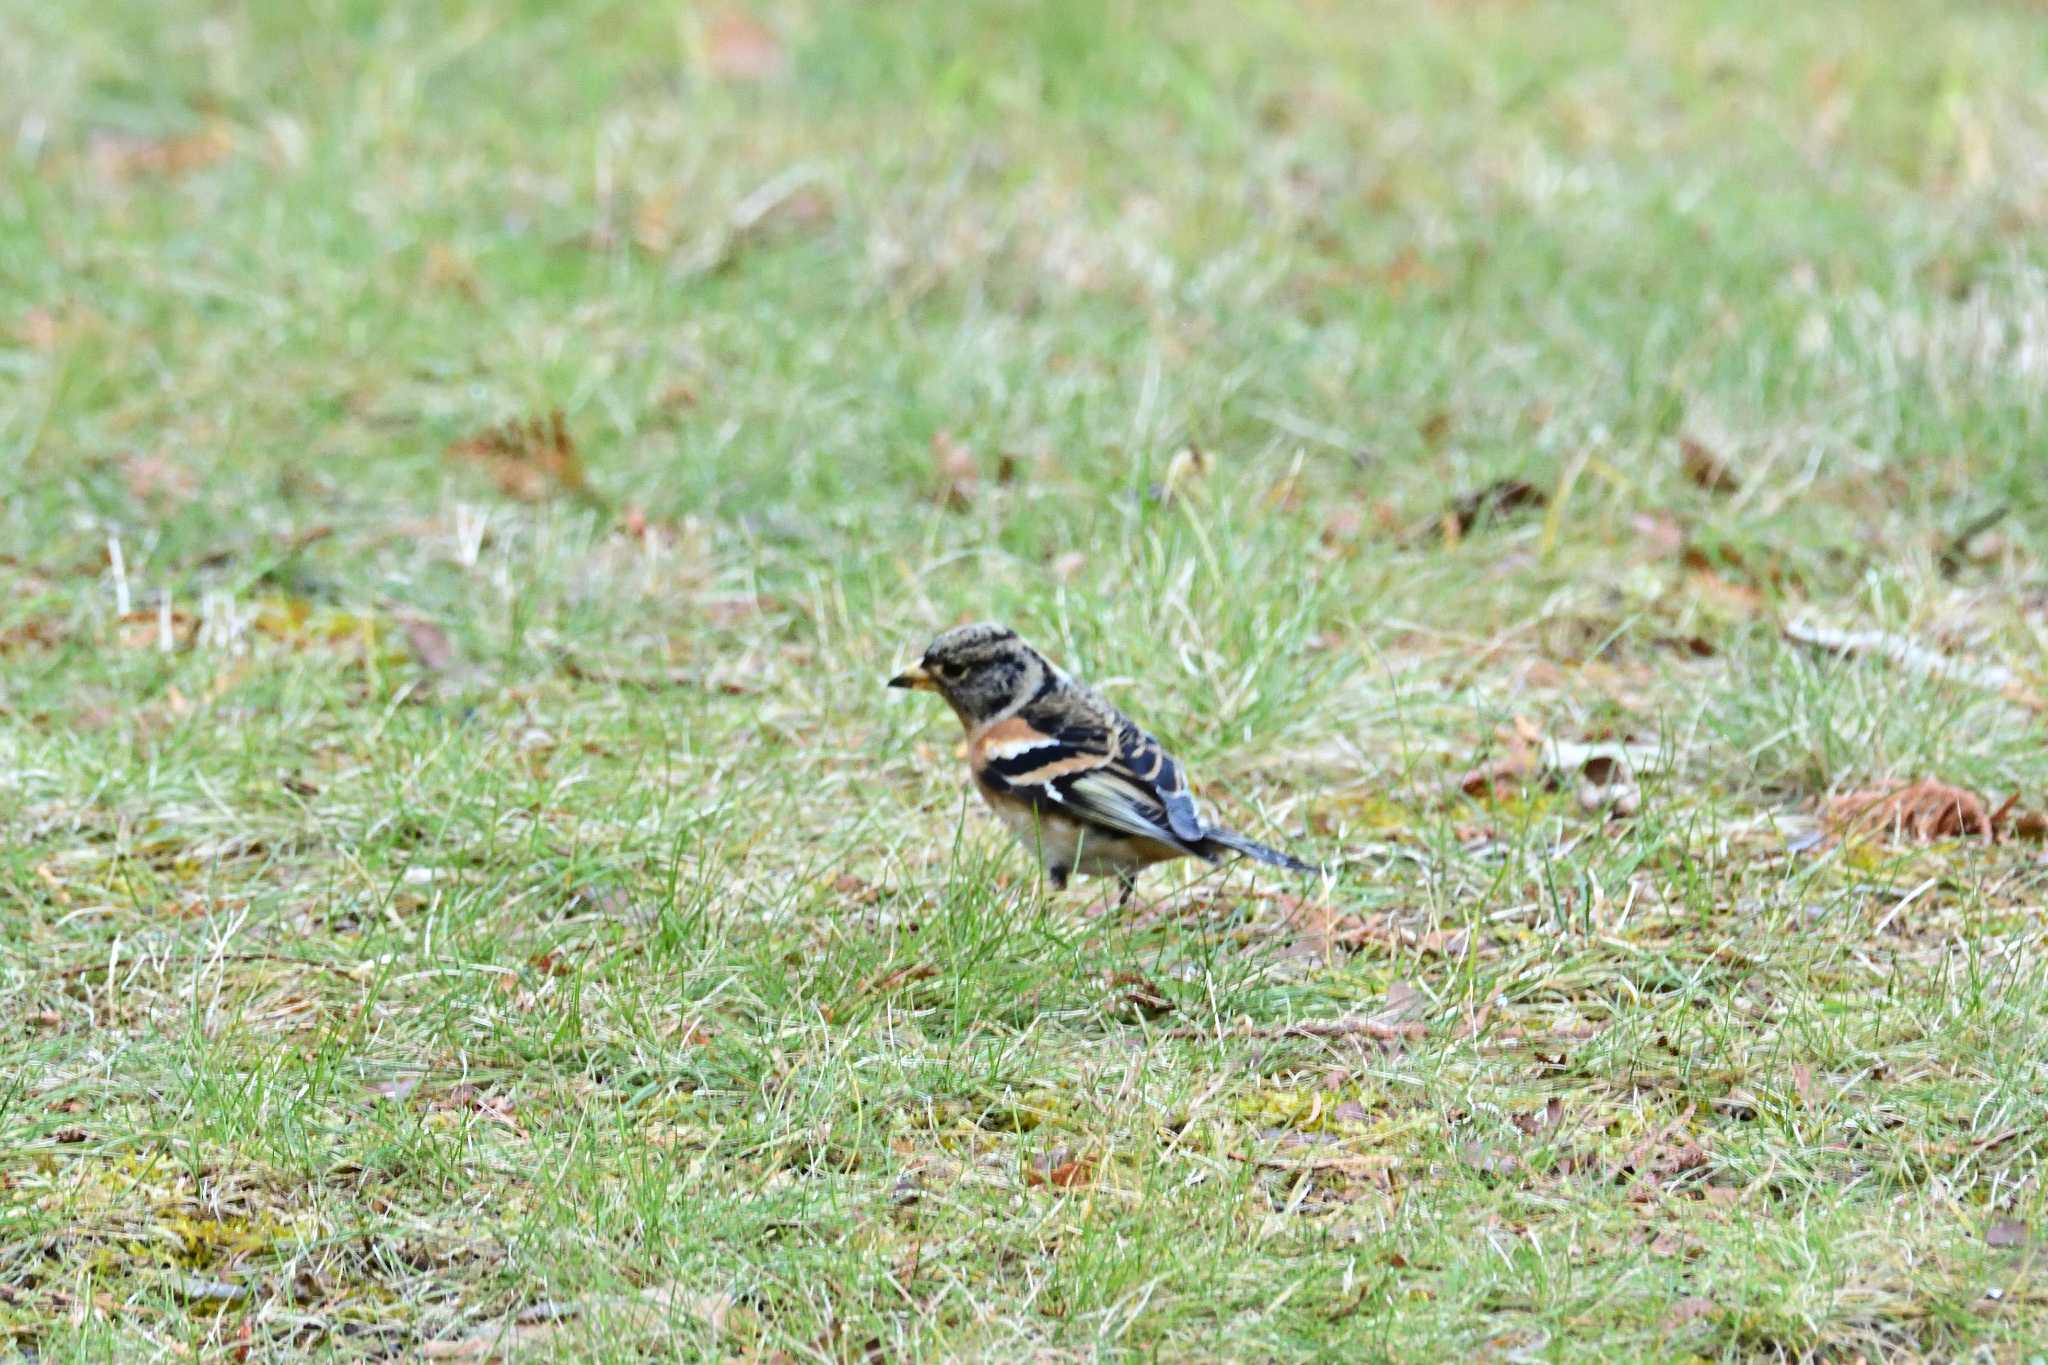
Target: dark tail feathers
1217,840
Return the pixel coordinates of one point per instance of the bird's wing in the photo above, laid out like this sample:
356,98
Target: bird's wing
1073,752
1141,759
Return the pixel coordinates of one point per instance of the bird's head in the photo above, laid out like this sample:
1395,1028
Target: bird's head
981,670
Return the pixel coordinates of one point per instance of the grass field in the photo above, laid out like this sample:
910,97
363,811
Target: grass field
465,891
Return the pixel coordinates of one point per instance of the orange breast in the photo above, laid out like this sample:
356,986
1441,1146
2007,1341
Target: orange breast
1015,739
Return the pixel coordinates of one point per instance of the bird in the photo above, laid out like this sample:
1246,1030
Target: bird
1072,776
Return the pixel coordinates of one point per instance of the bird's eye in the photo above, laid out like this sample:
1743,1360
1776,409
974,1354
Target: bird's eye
951,672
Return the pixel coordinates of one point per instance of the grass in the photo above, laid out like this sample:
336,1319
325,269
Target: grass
461,904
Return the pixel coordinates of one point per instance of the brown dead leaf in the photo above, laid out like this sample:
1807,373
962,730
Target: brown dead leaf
1509,773
430,644
1344,525
1061,1170
1659,535
122,156
1445,942
889,981
1687,1309
1486,1161
159,629
1974,542
1540,1120
1706,469
446,268
1131,993
740,48
39,330
956,473
856,889
552,963
395,1089
1406,269
1403,1001
2007,1234
1474,1024
528,460
1489,504
36,634
903,976
1662,1154
1917,811
1802,1083
1692,646
467,1098
733,608
1314,928
152,478
1677,1160
1732,598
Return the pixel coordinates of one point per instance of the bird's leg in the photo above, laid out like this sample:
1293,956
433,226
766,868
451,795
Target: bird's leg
1129,883
1057,874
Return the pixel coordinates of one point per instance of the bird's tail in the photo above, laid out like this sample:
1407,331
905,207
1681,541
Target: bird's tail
1218,839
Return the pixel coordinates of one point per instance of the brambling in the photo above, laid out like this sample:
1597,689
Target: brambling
1071,775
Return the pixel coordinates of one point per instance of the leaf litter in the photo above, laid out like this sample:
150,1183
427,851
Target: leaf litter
529,460
1605,774
739,48
956,472
1472,511
1926,811
1705,469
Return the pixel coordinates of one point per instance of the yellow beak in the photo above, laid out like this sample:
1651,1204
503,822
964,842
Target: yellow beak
914,678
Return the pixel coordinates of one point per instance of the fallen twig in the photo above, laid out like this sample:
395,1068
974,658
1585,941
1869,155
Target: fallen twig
1350,1027
1918,659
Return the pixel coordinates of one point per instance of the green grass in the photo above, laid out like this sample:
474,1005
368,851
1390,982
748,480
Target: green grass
635,974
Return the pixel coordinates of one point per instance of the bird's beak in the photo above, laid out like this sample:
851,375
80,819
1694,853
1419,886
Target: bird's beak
915,678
